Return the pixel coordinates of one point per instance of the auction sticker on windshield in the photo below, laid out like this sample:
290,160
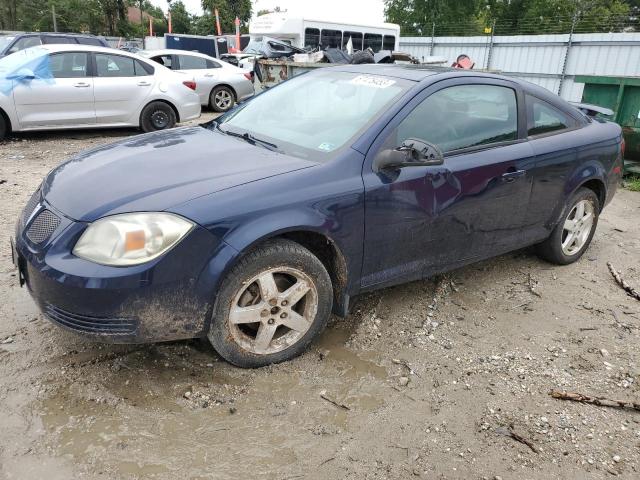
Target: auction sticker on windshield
372,81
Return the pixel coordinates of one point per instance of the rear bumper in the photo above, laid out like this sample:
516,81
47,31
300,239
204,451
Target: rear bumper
166,299
190,111
244,90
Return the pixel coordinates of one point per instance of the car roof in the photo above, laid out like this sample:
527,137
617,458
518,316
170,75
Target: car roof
65,47
174,51
58,34
418,73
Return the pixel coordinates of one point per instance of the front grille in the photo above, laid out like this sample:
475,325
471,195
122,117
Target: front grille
90,324
30,206
42,226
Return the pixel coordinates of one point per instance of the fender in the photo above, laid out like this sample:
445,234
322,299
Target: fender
256,232
591,170
261,229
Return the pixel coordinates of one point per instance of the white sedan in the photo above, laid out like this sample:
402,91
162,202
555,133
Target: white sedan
78,86
219,84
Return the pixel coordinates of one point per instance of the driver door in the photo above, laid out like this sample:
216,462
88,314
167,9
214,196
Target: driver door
66,99
425,219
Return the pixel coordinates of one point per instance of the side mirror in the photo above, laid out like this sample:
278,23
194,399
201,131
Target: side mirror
412,153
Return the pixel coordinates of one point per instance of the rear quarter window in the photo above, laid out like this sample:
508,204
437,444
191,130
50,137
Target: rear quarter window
543,118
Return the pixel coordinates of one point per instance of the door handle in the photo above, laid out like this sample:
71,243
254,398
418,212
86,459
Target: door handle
512,176
81,85
144,84
208,75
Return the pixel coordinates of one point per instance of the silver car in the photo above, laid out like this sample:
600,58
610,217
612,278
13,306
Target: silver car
79,86
219,84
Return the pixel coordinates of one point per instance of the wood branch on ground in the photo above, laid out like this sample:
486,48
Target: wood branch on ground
510,432
324,396
632,292
598,401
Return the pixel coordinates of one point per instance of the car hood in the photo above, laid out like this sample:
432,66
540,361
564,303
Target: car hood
156,171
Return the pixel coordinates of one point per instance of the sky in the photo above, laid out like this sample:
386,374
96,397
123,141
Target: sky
365,11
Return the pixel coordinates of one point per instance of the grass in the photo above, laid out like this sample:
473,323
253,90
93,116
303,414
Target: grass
633,183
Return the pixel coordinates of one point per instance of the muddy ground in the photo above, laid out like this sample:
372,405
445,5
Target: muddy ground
434,374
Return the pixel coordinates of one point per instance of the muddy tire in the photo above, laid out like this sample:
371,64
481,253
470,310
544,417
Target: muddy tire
271,305
222,99
362,56
157,116
573,234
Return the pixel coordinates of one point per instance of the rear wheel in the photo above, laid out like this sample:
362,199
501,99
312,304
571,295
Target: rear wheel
157,116
222,98
572,236
272,304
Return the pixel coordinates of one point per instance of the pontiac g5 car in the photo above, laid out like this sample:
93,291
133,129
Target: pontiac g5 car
78,86
252,229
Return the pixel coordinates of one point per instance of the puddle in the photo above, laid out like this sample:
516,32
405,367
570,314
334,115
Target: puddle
136,421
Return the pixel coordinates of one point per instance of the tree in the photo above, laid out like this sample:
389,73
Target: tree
229,10
459,17
180,18
416,17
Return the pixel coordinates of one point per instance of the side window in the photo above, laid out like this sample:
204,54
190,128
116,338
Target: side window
311,37
389,42
356,39
213,64
331,38
57,39
143,69
25,42
544,118
463,116
373,41
68,65
114,66
191,62
165,60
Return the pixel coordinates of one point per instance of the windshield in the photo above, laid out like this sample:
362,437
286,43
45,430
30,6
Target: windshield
4,41
313,115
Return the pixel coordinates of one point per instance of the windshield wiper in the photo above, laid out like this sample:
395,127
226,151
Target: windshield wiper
247,137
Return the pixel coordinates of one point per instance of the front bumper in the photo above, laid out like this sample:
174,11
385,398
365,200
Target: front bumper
169,298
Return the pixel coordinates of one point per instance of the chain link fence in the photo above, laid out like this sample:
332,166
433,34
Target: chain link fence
526,26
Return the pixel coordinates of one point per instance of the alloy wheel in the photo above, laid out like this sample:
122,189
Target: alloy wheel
223,99
273,310
577,227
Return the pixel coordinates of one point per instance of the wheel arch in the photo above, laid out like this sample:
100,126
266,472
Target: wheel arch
598,187
233,92
5,117
591,175
223,84
323,246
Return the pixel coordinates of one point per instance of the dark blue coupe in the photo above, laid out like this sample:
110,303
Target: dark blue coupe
252,229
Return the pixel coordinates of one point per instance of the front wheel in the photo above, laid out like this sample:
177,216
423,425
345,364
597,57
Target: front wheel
572,236
272,304
157,116
221,99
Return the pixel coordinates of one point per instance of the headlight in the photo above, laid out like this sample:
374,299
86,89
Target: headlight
131,238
